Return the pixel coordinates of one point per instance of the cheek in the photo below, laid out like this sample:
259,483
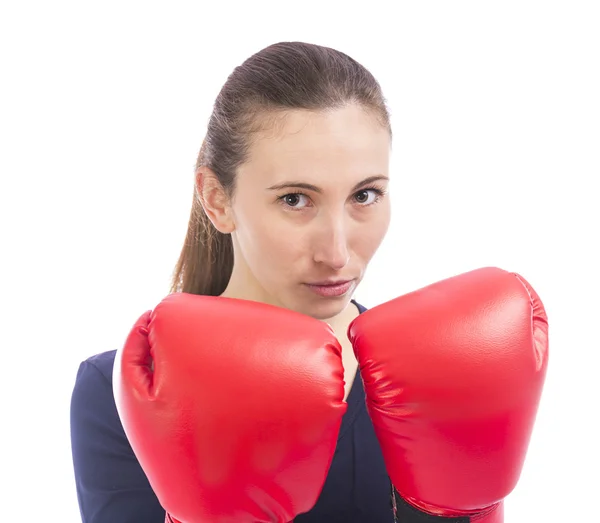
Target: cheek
281,244
271,244
368,235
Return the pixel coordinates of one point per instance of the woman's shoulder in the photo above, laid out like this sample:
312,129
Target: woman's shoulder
93,409
97,369
93,391
102,363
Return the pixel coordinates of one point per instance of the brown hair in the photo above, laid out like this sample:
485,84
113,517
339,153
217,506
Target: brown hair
283,76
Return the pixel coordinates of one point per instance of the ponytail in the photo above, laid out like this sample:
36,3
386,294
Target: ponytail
206,260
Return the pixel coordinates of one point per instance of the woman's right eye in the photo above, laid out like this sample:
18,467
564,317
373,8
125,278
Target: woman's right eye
295,200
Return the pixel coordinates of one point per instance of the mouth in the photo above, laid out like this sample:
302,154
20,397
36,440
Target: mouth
331,288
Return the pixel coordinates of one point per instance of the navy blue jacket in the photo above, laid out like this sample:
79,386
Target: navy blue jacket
112,487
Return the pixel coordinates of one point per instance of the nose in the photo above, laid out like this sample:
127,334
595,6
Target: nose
331,243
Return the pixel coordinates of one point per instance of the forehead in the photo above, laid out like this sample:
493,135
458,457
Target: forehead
314,146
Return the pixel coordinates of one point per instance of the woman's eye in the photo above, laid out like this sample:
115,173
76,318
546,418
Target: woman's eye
367,196
295,200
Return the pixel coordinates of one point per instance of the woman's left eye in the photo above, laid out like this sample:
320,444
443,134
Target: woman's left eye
368,196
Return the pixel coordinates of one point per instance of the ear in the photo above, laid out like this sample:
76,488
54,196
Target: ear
214,200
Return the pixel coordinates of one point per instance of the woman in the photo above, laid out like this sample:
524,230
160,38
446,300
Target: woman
234,401
290,205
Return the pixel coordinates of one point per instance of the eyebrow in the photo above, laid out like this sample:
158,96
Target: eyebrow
314,188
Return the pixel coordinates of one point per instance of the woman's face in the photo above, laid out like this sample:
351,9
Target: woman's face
310,209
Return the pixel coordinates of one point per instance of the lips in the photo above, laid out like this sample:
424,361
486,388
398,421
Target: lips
329,283
331,288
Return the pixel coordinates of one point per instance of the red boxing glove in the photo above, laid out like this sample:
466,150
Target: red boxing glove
453,375
232,407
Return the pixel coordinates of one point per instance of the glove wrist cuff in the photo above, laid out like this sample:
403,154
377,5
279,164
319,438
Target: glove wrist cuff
404,510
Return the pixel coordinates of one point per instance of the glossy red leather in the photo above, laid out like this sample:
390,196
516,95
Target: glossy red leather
232,407
453,374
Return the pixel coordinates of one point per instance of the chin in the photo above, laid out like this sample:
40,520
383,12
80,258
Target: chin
319,308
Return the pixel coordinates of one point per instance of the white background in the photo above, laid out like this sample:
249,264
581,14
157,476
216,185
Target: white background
103,106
